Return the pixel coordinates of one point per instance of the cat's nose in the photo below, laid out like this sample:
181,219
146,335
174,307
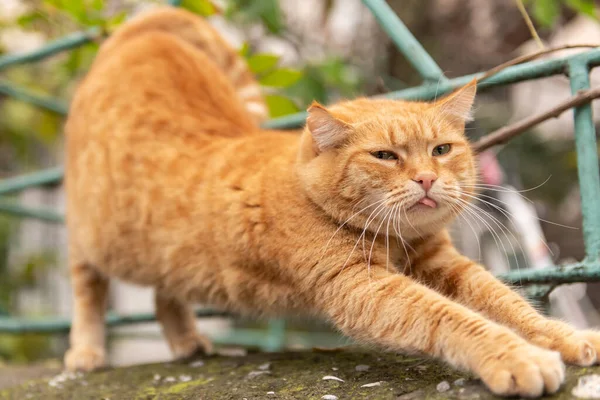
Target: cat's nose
425,179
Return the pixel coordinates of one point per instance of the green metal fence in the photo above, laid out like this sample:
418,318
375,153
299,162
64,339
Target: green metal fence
576,68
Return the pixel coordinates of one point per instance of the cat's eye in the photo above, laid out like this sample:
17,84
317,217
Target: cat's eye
384,155
441,150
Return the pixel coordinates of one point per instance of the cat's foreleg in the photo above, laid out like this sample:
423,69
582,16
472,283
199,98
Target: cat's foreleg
90,290
394,311
470,284
179,327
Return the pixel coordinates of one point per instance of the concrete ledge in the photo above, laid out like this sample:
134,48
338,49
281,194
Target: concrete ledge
349,374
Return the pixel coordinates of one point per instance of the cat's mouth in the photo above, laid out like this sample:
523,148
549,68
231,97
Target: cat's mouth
424,203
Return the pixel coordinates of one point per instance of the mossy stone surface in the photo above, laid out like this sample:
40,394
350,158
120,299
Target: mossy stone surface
289,375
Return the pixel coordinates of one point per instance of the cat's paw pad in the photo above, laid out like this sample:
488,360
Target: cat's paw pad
84,359
526,371
192,346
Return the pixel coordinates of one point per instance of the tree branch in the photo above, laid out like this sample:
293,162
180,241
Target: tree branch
506,133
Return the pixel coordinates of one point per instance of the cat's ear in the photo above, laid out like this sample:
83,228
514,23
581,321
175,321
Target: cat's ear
327,131
459,104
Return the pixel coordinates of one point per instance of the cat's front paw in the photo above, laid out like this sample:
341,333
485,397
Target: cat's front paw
575,347
593,338
192,345
84,358
526,371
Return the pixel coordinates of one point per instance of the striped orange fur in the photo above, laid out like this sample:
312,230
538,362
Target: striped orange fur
172,184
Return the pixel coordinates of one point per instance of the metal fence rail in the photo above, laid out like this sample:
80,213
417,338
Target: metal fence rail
576,67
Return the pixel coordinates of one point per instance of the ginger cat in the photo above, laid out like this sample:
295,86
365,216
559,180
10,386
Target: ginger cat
171,183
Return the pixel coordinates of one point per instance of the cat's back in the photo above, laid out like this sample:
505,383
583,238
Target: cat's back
156,72
160,99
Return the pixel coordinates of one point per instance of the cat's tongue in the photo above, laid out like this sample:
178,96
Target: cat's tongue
426,201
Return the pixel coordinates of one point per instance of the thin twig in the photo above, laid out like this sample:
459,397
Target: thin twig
529,23
506,133
533,56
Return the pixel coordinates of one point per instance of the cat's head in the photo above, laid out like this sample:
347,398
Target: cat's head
375,161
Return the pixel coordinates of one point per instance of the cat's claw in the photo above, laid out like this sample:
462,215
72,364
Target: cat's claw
85,359
526,371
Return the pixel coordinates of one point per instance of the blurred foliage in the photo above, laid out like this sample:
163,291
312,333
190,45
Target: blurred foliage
250,11
547,12
24,348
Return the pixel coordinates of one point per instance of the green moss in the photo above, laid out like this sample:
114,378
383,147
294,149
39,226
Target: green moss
181,387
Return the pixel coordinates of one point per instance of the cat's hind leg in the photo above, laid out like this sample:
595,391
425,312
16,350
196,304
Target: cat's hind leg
90,290
179,327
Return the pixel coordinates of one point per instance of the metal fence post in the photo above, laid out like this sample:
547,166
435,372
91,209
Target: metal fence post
587,160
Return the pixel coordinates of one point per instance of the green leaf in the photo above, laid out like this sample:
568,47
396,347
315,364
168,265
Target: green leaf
259,63
586,7
271,15
97,5
280,105
267,11
114,21
546,12
25,21
75,8
244,51
280,78
205,8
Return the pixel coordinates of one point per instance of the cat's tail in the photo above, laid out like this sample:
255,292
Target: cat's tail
201,34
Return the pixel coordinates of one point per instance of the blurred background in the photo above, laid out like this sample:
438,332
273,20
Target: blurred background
303,50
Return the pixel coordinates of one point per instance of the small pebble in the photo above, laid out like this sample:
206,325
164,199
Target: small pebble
169,379
329,397
264,366
271,393
443,386
459,382
332,378
588,387
233,352
59,379
185,378
417,394
334,368
368,385
197,364
156,377
254,374
362,368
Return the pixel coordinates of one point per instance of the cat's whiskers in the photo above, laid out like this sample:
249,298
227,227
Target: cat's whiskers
500,188
480,195
410,223
456,210
474,209
346,221
364,232
379,207
404,244
373,245
387,240
510,218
